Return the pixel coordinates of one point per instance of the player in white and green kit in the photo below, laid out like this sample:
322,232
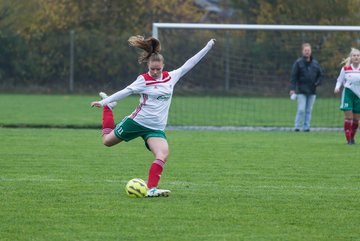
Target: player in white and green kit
350,99
149,119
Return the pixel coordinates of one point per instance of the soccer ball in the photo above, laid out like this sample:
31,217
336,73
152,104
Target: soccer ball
136,188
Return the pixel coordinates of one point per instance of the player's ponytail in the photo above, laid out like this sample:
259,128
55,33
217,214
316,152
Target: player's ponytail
151,47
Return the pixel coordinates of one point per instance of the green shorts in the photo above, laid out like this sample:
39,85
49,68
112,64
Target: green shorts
350,101
129,129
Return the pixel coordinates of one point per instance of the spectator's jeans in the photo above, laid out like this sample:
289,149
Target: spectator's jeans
304,109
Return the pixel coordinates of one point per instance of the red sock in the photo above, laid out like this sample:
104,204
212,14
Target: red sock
348,129
155,171
355,125
108,123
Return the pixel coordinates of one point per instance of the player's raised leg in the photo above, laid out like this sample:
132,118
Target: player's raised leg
108,123
160,149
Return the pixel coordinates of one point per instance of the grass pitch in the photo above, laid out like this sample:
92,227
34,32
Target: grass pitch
74,110
60,184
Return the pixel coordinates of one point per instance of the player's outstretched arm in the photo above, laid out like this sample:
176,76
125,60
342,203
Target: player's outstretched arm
96,104
136,87
190,63
114,97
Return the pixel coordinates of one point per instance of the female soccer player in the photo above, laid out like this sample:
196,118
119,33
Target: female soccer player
150,117
350,102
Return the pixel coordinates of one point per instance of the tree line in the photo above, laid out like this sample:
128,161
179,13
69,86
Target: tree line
35,35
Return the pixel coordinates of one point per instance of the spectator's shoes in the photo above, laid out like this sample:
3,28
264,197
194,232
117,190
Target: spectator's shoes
351,142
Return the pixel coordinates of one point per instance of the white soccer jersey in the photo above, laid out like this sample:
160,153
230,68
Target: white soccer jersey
349,77
156,94
155,99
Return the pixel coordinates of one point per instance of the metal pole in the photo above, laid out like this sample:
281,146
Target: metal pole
227,62
155,33
71,78
156,26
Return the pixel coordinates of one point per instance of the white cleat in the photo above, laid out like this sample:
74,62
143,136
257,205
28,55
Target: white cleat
154,192
104,96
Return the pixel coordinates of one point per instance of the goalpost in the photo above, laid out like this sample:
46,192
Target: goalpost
157,26
245,78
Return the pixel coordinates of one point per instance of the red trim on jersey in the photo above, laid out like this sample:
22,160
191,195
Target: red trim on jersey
138,109
349,70
150,80
348,67
147,77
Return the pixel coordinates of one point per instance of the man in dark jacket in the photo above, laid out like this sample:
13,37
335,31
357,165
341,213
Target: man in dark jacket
306,75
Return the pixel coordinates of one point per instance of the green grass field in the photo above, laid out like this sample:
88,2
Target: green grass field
214,111
63,184
60,184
